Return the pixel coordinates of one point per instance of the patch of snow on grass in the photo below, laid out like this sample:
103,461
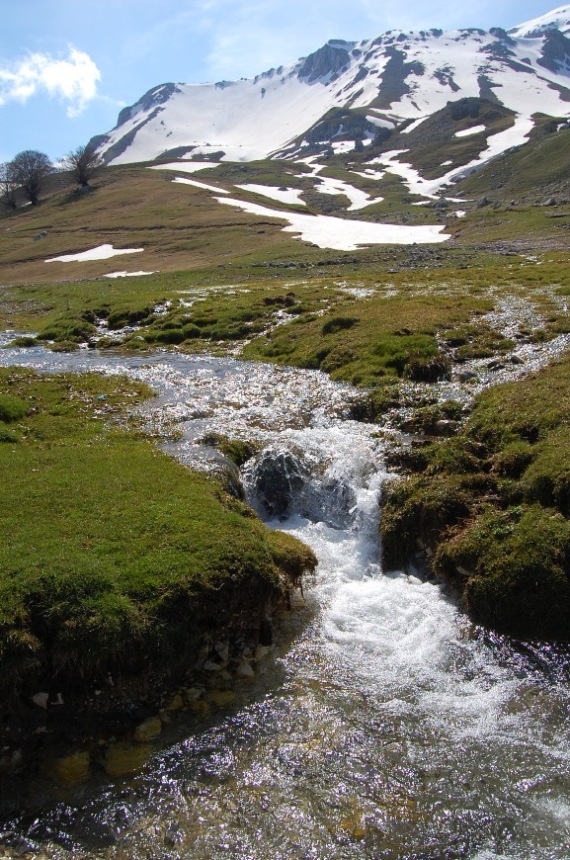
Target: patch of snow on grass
181,181
477,129
127,274
358,199
282,195
101,252
516,135
342,146
370,174
414,125
185,166
342,234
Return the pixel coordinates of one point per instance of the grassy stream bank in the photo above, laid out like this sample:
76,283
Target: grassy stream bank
489,507
117,560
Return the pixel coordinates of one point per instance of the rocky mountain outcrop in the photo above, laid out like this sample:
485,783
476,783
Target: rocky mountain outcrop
555,53
326,62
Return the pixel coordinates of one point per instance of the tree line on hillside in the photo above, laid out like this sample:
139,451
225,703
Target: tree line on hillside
25,176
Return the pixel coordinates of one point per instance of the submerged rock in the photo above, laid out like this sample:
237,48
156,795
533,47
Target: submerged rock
148,730
278,478
123,758
73,768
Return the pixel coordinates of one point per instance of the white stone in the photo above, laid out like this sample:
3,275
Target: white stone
41,700
244,670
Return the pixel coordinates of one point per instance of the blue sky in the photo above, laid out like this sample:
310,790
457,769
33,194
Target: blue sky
68,66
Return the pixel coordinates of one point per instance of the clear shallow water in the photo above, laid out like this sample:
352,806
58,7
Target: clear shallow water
389,728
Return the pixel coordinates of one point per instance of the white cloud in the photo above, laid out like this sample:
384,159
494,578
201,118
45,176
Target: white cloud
73,79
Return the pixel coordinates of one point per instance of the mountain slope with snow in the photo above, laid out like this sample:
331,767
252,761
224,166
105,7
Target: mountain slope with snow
557,19
349,95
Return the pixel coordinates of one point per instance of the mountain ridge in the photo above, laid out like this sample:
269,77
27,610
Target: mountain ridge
390,82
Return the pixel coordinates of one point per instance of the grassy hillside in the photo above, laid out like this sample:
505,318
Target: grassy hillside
536,171
180,227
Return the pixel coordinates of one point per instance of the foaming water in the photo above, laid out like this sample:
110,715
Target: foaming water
390,728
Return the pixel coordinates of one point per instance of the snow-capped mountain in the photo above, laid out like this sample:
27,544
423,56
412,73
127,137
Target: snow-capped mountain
347,95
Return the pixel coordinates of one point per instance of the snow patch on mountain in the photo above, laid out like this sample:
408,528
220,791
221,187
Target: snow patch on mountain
184,166
413,125
180,180
467,132
281,195
431,188
101,252
358,199
127,274
244,120
341,234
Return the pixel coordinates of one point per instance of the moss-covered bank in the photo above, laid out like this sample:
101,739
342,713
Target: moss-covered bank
115,558
490,507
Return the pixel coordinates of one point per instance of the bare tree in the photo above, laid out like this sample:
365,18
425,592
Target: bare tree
82,163
29,170
7,186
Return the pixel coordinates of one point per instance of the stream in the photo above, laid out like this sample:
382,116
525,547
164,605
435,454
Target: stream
384,726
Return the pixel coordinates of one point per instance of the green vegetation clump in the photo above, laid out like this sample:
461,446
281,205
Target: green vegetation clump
490,507
517,560
335,324
70,328
131,315
476,340
7,435
239,451
115,557
435,419
12,408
